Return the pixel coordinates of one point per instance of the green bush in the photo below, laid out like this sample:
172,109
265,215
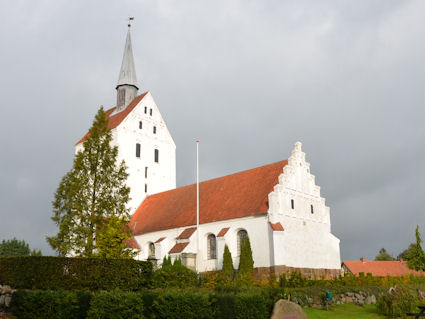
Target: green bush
182,304
243,305
250,305
397,302
176,275
116,305
36,272
56,304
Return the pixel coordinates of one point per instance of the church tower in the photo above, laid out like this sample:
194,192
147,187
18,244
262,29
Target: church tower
127,82
141,135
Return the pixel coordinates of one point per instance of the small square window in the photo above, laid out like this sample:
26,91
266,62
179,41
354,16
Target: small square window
146,172
150,112
292,204
146,109
146,188
156,156
312,210
140,125
154,130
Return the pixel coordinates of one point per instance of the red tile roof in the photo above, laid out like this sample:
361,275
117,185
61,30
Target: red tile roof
160,240
223,232
380,268
233,196
277,226
187,233
116,119
132,243
178,248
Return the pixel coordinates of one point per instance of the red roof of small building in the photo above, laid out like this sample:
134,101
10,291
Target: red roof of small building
160,240
187,233
116,119
132,243
178,248
277,226
223,232
233,196
380,268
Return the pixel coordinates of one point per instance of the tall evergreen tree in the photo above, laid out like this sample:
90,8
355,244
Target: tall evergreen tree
92,193
246,262
416,258
227,269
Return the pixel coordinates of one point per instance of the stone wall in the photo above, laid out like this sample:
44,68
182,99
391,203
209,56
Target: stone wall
311,273
5,299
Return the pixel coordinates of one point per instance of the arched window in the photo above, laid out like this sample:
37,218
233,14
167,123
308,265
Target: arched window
151,250
211,247
242,234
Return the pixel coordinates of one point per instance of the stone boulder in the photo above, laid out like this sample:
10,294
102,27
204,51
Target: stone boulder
284,309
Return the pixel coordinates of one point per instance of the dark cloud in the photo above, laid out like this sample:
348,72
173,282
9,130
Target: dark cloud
248,78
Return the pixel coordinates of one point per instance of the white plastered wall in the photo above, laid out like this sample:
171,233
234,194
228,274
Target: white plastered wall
307,241
161,176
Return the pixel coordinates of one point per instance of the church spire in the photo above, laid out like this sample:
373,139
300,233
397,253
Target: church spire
127,83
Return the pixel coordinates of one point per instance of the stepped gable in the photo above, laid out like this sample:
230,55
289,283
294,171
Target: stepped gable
117,118
233,196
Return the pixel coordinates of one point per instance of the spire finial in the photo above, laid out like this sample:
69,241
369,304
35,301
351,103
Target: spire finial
129,21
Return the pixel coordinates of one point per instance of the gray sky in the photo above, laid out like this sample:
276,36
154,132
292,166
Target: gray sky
248,78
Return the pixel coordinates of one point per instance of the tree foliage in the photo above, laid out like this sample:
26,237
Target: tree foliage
246,262
227,262
91,197
14,247
416,256
405,254
383,255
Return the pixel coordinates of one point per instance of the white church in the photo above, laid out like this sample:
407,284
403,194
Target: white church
278,205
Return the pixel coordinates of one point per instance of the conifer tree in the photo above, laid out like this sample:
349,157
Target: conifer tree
246,263
14,247
227,262
416,258
92,193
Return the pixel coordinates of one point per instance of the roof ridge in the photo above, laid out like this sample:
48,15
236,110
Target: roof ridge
215,178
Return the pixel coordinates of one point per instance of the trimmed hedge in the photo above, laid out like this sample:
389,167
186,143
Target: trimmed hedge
174,304
116,305
74,273
57,304
163,304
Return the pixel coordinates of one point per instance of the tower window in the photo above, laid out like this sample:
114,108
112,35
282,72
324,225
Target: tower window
151,251
150,112
156,156
154,130
138,150
146,188
312,210
292,204
146,172
146,109
140,124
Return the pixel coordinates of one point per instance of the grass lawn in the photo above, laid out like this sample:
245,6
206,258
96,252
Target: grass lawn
345,311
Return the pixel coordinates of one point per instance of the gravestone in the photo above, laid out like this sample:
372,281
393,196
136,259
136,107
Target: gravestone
284,309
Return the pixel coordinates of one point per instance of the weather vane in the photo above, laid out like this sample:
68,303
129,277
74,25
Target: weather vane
129,21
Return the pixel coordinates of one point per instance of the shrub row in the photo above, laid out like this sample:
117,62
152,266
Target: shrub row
74,273
143,304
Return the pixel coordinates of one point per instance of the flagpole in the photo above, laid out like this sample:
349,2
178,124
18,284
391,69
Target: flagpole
197,206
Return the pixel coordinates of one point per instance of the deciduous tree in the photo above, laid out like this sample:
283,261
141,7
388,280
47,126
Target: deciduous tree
383,255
